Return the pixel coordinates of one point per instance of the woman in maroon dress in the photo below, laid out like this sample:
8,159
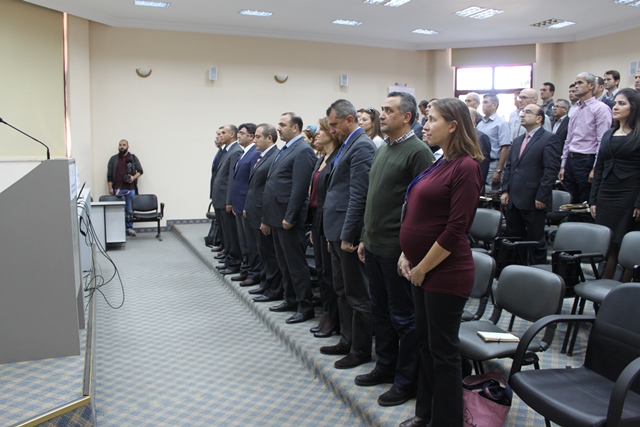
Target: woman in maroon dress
436,257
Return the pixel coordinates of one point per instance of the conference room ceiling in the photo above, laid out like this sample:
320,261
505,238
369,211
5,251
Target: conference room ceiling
382,26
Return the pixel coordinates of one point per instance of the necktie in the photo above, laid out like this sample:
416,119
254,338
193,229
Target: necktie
257,161
281,151
524,144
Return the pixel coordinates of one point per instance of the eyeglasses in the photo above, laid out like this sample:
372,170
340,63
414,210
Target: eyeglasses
371,110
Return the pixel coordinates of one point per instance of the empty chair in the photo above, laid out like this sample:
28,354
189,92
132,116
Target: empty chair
111,198
145,209
526,292
555,217
484,229
485,272
602,391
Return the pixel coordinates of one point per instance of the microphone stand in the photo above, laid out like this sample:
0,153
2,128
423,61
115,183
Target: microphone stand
26,134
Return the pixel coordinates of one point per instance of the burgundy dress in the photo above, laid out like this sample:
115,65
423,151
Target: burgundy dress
441,208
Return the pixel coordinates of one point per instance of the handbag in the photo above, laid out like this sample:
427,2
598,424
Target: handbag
486,400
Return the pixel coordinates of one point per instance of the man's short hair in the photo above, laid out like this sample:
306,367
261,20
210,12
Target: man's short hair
233,129
295,119
566,103
407,104
552,87
342,108
423,103
250,127
590,78
268,130
599,81
572,85
493,98
614,73
540,113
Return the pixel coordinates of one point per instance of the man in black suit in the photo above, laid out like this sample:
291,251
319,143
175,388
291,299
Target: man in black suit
530,172
342,218
216,231
270,288
561,115
221,199
284,213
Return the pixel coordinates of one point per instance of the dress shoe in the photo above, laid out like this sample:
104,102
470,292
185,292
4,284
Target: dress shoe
227,271
317,328
217,249
329,328
395,396
415,422
300,317
264,298
374,377
285,306
221,255
221,267
249,282
258,291
240,277
351,361
335,350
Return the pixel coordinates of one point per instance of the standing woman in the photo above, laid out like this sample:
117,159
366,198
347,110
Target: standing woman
327,144
436,258
369,121
616,182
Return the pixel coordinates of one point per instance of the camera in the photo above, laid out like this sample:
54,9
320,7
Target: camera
127,179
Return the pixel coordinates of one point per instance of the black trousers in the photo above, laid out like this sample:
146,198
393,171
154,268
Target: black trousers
293,264
270,275
230,238
325,275
576,177
529,226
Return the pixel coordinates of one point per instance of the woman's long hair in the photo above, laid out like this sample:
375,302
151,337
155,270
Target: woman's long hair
374,115
633,121
323,124
464,140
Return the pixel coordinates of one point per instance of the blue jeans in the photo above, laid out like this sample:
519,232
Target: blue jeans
128,208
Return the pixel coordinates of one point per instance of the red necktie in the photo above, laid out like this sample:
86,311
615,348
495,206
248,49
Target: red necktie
524,144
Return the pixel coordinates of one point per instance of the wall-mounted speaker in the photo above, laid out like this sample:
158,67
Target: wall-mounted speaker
213,73
344,79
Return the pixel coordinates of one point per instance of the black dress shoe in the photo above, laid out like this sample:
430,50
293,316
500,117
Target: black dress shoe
320,324
249,282
415,422
395,396
335,350
240,277
221,267
264,298
374,377
327,331
300,317
257,291
351,361
217,249
285,306
221,255
227,271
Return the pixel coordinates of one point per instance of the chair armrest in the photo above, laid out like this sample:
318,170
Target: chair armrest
534,329
620,390
593,257
161,210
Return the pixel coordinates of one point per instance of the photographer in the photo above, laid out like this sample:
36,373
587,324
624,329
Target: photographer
123,172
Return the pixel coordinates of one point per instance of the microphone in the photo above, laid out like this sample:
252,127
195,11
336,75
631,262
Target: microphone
26,134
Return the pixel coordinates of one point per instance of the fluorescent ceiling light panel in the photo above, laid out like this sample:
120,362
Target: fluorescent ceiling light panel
151,3
469,11
255,13
426,32
396,3
561,24
374,1
635,3
346,22
553,24
486,14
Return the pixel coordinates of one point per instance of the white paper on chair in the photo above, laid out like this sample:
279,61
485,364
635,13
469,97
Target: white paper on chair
498,337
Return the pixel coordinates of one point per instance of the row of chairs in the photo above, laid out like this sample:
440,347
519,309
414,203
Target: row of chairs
145,209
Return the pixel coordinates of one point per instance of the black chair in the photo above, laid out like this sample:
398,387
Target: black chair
602,392
145,209
484,229
485,272
526,292
556,216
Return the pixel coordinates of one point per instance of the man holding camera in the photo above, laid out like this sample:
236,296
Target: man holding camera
123,172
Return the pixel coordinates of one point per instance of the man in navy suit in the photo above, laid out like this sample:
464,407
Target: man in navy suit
530,172
270,288
343,217
286,196
250,270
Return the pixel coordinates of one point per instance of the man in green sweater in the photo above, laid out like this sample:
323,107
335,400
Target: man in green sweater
395,164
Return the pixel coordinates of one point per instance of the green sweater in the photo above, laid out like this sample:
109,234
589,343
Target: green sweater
393,168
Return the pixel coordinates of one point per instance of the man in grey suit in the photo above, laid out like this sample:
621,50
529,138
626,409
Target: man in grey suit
530,172
343,216
222,200
284,212
270,288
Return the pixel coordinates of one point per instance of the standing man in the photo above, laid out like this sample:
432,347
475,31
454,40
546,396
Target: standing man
215,233
546,96
222,200
497,129
395,164
529,175
636,81
573,99
611,83
561,115
342,217
514,117
123,172
589,122
284,213
270,288
472,100
249,272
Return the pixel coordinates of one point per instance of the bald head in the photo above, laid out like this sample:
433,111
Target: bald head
528,96
472,100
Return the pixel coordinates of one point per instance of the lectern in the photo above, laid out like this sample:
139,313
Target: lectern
40,289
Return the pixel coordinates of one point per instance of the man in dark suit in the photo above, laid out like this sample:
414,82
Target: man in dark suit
284,213
342,217
222,200
216,231
530,172
250,269
270,288
561,123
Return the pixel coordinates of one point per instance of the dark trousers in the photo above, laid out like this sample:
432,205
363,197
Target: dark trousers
242,241
529,226
270,275
354,302
438,319
230,238
393,320
252,258
576,177
325,279
292,261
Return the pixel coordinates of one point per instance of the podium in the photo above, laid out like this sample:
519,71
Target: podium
41,304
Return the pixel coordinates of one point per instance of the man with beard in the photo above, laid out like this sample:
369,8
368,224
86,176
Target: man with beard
123,172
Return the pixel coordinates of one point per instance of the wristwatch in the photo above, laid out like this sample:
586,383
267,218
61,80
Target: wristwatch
498,170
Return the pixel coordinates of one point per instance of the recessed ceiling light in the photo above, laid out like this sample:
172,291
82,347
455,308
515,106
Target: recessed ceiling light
561,24
635,3
396,3
255,13
346,22
151,3
486,14
374,1
553,24
469,11
426,32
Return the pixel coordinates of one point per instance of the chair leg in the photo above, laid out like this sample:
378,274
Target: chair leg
158,236
513,319
576,328
547,422
570,326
